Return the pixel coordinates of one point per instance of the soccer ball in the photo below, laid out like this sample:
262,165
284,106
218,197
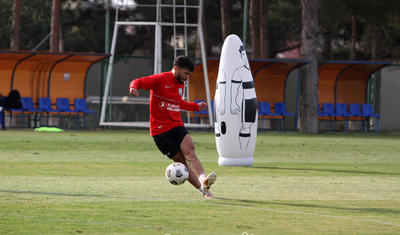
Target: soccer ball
177,173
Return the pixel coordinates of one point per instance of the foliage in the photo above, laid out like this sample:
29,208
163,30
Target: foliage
335,17
35,22
83,26
5,22
284,24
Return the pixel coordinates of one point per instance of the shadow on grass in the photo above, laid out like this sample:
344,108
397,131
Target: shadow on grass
110,196
250,203
327,170
54,193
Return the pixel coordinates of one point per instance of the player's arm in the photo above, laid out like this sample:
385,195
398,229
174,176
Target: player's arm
145,83
189,106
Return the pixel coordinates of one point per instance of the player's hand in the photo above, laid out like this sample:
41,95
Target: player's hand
133,91
202,105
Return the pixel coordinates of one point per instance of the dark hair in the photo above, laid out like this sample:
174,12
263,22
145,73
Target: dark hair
13,100
184,62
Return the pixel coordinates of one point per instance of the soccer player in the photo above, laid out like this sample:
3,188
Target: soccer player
166,125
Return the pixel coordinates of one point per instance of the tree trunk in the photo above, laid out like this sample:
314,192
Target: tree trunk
15,25
353,36
327,47
255,27
55,26
309,80
376,32
225,19
264,40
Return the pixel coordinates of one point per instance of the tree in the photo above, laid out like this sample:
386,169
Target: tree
353,36
264,40
225,19
55,26
255,27
331,22
15,25
309,80
353,9
283,25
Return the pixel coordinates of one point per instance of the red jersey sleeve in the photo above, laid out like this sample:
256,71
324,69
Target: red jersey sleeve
188,106
145,83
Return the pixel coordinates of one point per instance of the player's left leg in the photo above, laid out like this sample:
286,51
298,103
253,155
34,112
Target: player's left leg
187,149
192,177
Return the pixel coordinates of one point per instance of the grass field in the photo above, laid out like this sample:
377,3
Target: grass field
112,182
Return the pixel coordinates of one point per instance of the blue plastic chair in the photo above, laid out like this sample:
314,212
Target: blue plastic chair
368,111
63,106
355,111
341,111
329,110
45,106
323,115
264,109
80,106
280,109
320,113
28,106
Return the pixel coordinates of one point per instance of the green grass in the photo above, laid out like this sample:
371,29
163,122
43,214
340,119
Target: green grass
112,182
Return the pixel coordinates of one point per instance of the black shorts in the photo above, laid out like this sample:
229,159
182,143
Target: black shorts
169,143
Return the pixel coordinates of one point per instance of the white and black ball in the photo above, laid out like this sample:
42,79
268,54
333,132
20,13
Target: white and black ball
176,173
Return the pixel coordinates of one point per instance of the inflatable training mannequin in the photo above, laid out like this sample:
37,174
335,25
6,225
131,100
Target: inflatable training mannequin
235,106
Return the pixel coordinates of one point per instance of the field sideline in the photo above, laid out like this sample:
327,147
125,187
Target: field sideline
112,182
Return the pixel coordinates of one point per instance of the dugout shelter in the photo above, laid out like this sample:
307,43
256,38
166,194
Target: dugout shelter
346,81
344,91
46,74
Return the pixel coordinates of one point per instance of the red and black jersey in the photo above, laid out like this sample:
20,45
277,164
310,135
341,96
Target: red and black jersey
165,101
